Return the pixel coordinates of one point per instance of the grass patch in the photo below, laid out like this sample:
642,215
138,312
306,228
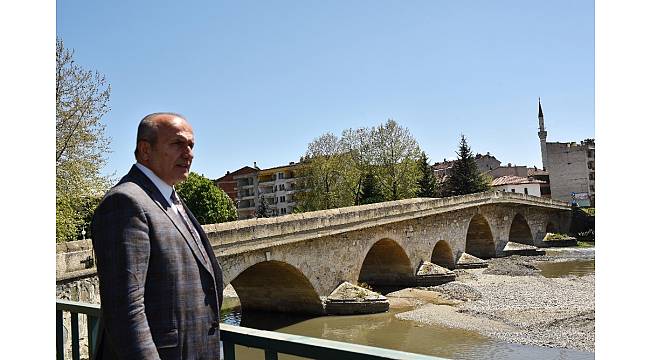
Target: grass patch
557,236
591,211
365,286
585,244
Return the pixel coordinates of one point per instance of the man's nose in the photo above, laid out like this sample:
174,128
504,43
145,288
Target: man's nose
188,153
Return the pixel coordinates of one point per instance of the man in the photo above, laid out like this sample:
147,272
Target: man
160,283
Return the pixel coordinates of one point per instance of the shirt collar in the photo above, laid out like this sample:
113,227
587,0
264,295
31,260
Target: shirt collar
162,186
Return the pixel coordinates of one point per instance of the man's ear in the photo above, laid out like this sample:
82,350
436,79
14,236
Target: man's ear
144,148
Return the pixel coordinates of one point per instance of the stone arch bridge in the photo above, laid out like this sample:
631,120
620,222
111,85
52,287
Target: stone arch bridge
292,263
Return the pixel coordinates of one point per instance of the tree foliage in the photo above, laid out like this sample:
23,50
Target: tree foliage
358,144
397,153
322,181
427,184
208,203
82,98
465,178
364,165
263,210
370,193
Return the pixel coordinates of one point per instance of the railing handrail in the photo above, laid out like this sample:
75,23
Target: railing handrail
316,348
79,307
272,342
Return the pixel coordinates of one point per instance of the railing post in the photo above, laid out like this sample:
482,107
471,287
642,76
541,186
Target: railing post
74,329
59,335
270,355
228,350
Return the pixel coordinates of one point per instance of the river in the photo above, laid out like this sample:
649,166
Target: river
387,331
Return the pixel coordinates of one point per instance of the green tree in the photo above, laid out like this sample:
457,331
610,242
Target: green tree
358,145
82,98
370,192
207,202
396,160
465,177
322,183
427,183
263,210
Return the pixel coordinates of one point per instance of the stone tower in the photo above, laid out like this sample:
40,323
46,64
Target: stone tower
542,134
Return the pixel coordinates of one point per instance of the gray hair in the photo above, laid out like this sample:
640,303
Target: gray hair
148,128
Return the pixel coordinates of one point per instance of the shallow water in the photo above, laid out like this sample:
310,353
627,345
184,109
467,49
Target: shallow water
387,331
566,268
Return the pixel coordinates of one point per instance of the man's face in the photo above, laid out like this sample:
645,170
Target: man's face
170,158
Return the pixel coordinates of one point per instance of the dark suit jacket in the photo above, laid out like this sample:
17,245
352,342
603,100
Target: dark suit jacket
159,298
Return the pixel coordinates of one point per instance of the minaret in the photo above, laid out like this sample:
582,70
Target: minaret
542,133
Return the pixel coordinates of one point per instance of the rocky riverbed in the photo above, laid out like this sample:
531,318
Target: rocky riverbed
510,301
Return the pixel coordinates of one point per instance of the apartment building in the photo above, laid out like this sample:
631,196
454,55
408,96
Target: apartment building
249,186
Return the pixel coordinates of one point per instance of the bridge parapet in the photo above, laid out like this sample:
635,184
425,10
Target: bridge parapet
252,234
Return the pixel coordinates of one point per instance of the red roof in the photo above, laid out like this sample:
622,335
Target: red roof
514,180
533,172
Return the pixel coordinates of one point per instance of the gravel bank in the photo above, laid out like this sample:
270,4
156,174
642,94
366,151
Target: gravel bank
512,302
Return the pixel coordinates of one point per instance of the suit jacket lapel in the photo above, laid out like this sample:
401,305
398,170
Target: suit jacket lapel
141,179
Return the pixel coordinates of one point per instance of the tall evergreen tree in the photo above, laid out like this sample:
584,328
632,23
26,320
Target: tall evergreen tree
427,183
465,177
370,191
263,210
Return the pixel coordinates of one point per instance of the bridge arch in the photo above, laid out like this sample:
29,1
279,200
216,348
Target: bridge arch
386,265
278,287
520,231
479,240
442,255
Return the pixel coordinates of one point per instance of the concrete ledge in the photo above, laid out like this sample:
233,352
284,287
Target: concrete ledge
434,280
566,241
355,308
72,259
430,274
467,261
513,248
350,299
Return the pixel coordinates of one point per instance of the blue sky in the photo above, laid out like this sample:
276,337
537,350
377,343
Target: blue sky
259,80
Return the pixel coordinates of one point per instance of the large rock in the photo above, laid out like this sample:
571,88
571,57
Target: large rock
514,248
467,261
349,299
430,274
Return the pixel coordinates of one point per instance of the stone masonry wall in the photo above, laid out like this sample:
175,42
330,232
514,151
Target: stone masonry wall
329,247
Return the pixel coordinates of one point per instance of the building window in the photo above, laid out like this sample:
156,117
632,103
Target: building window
592,176
592,188
591,165
526,191
282,199
280,175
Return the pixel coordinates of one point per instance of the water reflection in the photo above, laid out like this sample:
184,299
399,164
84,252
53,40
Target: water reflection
566,268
